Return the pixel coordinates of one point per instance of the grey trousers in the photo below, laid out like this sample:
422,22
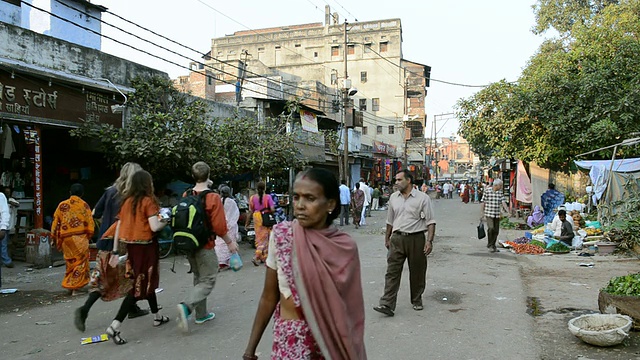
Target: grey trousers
493,229
204,264
411,248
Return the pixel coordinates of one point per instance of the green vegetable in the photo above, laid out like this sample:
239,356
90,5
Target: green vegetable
538,243
558,247
628,285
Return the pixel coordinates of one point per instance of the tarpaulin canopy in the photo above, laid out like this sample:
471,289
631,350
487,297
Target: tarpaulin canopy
619,165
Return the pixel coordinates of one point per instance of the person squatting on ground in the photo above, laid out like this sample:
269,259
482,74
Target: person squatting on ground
313,320
232,214
345,200
357,204
137,225
71,230
259,203
411,228
204,262
106,282
492,203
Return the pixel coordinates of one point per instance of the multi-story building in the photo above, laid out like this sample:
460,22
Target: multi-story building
390,89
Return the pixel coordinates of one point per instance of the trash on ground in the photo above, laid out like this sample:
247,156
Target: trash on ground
43,323
8,291
94,339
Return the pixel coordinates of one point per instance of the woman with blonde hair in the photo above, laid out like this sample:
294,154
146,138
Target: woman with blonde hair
107,282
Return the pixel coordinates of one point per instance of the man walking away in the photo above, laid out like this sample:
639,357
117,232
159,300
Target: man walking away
204,262
367,200
345,201
492,202
376,198
411,228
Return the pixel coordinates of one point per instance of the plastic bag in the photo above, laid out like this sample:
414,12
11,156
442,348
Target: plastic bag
481,233
576,243
235,262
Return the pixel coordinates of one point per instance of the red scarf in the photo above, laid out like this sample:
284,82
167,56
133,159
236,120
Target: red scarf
327,276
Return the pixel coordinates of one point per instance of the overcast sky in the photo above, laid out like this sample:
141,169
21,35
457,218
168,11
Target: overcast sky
469,42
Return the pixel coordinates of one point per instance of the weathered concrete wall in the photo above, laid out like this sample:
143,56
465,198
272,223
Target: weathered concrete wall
218,110
40,50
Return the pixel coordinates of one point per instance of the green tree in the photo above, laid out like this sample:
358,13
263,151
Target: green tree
168,131
577,94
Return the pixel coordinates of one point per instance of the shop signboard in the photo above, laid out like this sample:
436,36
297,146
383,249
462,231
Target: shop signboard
36,100
383,148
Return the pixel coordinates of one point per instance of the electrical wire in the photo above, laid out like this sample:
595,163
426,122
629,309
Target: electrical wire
184,46
348,12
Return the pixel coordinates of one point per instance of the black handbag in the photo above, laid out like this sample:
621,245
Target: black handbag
268,219
481,233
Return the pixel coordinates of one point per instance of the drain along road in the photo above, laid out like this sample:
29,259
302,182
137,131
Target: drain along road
475,305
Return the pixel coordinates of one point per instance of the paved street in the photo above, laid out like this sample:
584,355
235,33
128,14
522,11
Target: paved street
475,307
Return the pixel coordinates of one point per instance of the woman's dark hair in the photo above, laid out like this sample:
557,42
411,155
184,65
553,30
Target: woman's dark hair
141,187
357,185
330,186
261,189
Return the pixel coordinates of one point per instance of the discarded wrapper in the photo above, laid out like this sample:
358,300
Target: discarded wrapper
94,339
8,291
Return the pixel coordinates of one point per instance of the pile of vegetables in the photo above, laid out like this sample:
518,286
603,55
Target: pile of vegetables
538,243
521,240
528,249
505,223
628,285
558,247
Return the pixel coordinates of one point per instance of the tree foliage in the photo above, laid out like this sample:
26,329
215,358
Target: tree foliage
577,94
168,131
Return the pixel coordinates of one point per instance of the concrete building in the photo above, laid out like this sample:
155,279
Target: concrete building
390,89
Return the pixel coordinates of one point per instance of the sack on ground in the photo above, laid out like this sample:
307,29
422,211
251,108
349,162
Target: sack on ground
481,233
190,224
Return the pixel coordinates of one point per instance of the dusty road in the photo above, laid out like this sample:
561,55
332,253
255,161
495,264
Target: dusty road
475,306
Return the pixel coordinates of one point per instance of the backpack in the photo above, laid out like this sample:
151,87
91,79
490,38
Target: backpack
190,223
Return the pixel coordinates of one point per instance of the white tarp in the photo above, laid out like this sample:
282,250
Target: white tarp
620,165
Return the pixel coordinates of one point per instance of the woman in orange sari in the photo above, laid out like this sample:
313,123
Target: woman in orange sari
71,231
259,203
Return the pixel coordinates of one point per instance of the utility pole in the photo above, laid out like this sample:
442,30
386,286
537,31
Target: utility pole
345,99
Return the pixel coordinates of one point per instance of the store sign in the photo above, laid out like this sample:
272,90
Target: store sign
309,121
382,148
33,138
27,97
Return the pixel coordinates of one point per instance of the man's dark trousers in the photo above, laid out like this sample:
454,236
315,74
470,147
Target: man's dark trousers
493,229
344,214
401,247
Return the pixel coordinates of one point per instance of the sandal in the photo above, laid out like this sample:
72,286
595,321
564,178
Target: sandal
255,262
158,322
418,307
115,336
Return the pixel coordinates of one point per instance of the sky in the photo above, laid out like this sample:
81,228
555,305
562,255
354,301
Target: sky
467,42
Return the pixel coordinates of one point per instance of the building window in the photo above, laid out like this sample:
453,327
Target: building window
334,78
315,54
364,130
375,104
351,49
335,51
278,47
363,76
210,80
392,130
383,47
367,48
363,104
379,129
297,45
260,49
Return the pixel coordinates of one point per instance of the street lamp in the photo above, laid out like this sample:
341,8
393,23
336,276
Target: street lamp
117,108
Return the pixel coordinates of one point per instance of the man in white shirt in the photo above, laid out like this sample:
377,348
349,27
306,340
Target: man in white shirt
367,200
4,231
345,201
445,190
556,224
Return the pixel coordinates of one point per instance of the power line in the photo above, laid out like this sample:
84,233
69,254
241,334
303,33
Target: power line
140,50
184,46
354,17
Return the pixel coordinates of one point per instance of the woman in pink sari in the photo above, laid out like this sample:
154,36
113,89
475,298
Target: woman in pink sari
313,282
258,204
